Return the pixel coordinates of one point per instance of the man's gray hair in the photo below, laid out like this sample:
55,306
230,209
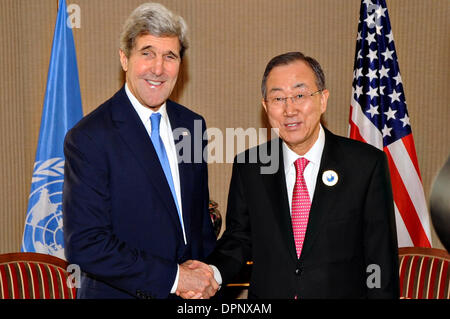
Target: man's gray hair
154,19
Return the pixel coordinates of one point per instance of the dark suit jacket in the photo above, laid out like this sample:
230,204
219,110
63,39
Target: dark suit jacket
121,224
351,226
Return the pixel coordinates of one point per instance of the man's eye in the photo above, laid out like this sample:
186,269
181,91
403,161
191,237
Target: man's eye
278,99
147,53
299,96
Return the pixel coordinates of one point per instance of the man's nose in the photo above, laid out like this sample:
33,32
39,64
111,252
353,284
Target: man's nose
290,107
157,67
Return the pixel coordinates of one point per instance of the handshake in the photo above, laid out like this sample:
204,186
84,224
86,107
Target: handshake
196,281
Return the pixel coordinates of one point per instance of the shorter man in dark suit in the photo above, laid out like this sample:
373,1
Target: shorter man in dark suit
323,225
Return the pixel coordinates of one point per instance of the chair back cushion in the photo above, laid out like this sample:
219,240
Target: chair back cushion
34,279
423,273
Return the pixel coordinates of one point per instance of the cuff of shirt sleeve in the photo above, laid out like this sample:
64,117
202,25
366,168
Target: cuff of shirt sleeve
217,275
175,284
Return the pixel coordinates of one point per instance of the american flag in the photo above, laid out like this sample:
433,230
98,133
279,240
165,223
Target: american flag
378,116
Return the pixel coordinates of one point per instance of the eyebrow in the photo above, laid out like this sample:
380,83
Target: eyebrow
149,47
296,86
299,86
275,90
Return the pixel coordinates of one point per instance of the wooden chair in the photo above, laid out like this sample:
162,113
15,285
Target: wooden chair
424,273
34,276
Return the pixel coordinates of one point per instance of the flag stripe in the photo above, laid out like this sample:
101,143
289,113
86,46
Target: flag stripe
354,129
367,130
406,207
408,142
404,239
412,183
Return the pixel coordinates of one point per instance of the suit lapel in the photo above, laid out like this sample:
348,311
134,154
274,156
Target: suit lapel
134,134
324,196
276,189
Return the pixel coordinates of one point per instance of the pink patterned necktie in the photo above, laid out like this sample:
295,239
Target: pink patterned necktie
301,204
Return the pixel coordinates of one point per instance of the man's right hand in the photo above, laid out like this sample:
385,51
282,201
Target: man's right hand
196,281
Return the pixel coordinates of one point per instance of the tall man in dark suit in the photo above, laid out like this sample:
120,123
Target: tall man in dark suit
323,225
134,215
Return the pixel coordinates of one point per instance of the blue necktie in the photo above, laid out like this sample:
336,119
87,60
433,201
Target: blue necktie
155,119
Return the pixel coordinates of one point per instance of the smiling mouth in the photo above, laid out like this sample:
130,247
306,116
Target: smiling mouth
292,125
154,83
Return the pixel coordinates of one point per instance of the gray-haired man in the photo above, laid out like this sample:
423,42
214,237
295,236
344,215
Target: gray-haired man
134,217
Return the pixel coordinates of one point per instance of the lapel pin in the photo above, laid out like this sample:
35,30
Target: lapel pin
185,133
330,178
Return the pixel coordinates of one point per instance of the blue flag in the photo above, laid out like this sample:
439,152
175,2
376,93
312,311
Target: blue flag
62,109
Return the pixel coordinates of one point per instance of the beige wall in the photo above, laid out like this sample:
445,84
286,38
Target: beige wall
231,42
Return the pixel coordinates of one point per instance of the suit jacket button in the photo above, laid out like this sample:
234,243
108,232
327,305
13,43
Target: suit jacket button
298,271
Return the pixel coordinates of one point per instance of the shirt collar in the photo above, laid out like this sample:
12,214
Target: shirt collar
144,112
313,155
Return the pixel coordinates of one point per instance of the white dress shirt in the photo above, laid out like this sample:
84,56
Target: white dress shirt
314,156
165,131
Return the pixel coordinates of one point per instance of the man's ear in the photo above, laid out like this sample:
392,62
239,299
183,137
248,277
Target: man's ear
324,100
123,60
263,102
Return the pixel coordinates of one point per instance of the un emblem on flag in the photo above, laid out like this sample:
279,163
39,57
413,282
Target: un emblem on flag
44,225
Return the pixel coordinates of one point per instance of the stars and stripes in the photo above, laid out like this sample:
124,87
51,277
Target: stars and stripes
378,116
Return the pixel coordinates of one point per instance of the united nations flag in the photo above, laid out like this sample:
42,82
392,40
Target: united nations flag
62,109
